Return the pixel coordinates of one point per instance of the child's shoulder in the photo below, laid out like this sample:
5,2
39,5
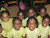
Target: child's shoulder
2,9
10,19
21,28
36,29
39,16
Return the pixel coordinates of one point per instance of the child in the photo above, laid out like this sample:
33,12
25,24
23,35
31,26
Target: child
44,27
5,7
6,22
17,31
31,12
21,16
32,30
42,12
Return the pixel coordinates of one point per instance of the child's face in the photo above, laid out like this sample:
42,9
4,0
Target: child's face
5,17
0,29
5,5
21,16
17,24
31,13
42,12
45,22
32,24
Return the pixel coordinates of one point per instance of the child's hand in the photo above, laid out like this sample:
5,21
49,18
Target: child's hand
1,36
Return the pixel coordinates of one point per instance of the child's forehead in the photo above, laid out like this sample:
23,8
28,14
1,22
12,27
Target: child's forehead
21,13
32,19
43,9
31,9
46,18
17,20
5,13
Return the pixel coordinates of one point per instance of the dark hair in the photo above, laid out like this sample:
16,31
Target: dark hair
6,12
32,18
21,12
42,8
46,17
5,3
32,9
16,18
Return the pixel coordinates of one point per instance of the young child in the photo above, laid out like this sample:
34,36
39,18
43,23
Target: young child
31,12
42,12
21,16
5,7
32,30
44,27
6,22
17,31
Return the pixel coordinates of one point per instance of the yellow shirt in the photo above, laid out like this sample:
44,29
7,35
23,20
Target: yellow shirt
39,18
7,26
16,34
32,34
44,31
3,33
3,9
24,22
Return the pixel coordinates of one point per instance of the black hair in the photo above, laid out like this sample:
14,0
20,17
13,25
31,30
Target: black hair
46,17
5,3
4,12
42,8
16,18
32,9
32,18
21,12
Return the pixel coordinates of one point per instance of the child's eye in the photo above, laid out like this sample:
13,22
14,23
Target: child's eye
32,23
44,12
18,23
40,12
47,22
22,15
15,23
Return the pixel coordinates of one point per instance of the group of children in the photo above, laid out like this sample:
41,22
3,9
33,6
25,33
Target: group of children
20,27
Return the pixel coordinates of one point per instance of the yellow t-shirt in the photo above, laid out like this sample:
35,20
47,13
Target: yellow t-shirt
32,34
3,9
39,18
24,22
7,26
3,33
16,34
44,31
